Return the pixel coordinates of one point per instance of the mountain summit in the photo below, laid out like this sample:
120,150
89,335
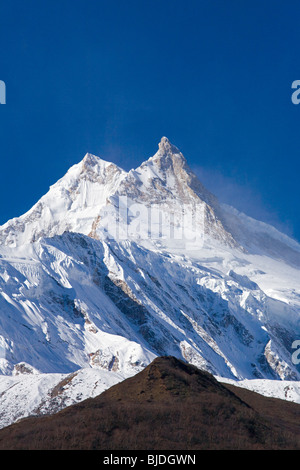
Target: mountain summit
168,155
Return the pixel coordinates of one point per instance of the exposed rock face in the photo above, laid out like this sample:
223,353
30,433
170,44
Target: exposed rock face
23,368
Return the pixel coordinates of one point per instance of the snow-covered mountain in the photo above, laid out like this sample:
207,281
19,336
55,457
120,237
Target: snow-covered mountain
112,268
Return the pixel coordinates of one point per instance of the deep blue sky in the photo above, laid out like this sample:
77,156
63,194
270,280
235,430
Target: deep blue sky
112,77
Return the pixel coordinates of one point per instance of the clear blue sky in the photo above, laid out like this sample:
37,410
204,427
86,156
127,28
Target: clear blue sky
112,77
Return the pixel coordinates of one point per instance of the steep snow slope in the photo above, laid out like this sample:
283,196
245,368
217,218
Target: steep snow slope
72,204
260,238
110,269
27,394
82,301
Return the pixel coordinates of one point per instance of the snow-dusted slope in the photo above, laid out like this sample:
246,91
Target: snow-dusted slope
283,389
27,394
112,268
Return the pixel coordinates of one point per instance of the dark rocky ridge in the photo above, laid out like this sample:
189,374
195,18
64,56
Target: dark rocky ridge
170,405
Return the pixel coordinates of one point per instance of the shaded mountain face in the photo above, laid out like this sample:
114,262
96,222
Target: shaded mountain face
112,268
170,405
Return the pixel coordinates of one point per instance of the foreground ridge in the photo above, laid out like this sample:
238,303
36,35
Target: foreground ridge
168,406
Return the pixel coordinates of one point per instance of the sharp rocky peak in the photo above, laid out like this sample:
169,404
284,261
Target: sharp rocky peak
168,156
166,148
169,162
